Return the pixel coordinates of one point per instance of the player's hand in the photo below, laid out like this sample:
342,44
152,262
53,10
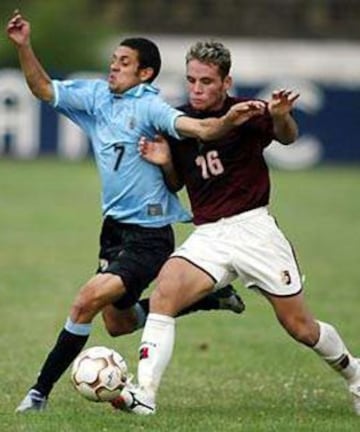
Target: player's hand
282,102
156,151
243,111
18,29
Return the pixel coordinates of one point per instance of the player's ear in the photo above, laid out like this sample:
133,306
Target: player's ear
146,74
227,82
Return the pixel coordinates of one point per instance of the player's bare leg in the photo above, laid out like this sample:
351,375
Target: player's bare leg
119,322
94,295
179,285
322,337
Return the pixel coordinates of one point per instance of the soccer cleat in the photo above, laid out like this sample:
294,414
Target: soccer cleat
354,388
134,399
229,299
33,401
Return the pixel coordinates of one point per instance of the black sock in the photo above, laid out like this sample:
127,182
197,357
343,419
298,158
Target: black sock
67,347
145,304
210,302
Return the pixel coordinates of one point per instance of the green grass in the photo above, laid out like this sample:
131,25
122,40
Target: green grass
228,373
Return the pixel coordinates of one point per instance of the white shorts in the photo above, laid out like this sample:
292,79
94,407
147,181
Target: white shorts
249,246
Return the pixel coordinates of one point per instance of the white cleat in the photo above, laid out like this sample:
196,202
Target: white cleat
33,401
355,393
354,388
134,399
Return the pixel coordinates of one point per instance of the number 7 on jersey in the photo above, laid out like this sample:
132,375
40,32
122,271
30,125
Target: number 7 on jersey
119,149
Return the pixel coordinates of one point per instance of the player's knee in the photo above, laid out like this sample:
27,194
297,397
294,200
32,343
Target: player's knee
86,305
82,311
159,298
163,300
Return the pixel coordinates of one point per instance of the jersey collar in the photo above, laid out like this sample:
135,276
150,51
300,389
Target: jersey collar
137,91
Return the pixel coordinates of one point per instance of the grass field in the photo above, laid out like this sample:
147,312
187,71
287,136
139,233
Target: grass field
229,372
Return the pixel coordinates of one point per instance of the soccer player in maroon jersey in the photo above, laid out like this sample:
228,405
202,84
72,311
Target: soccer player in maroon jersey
227,181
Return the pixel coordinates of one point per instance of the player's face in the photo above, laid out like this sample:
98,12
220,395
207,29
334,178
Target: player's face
124,70
206,88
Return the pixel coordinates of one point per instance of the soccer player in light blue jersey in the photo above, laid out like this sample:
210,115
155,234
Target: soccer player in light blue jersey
138,208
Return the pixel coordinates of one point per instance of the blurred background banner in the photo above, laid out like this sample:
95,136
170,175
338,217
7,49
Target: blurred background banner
309,46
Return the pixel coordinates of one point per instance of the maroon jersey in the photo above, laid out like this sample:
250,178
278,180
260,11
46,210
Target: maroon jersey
227,176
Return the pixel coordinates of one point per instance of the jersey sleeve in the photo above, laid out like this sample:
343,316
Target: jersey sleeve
74,98
265,128
174,150
163,117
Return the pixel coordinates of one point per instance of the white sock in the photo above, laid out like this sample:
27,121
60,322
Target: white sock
156,349
333,350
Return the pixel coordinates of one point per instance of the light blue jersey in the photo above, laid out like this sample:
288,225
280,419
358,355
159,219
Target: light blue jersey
133,190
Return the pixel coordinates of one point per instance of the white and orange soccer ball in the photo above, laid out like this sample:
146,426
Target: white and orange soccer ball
99,374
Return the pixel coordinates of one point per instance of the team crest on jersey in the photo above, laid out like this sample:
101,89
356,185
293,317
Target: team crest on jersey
285,277
155,210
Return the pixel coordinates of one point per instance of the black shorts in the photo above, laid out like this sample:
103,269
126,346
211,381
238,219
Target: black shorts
135,253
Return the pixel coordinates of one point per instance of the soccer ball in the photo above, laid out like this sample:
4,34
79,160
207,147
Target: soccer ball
99,374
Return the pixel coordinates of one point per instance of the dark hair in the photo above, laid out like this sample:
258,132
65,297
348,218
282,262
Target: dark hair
148,53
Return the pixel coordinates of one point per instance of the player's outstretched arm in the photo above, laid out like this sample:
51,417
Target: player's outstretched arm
157,151
39,82
214,128
280,106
